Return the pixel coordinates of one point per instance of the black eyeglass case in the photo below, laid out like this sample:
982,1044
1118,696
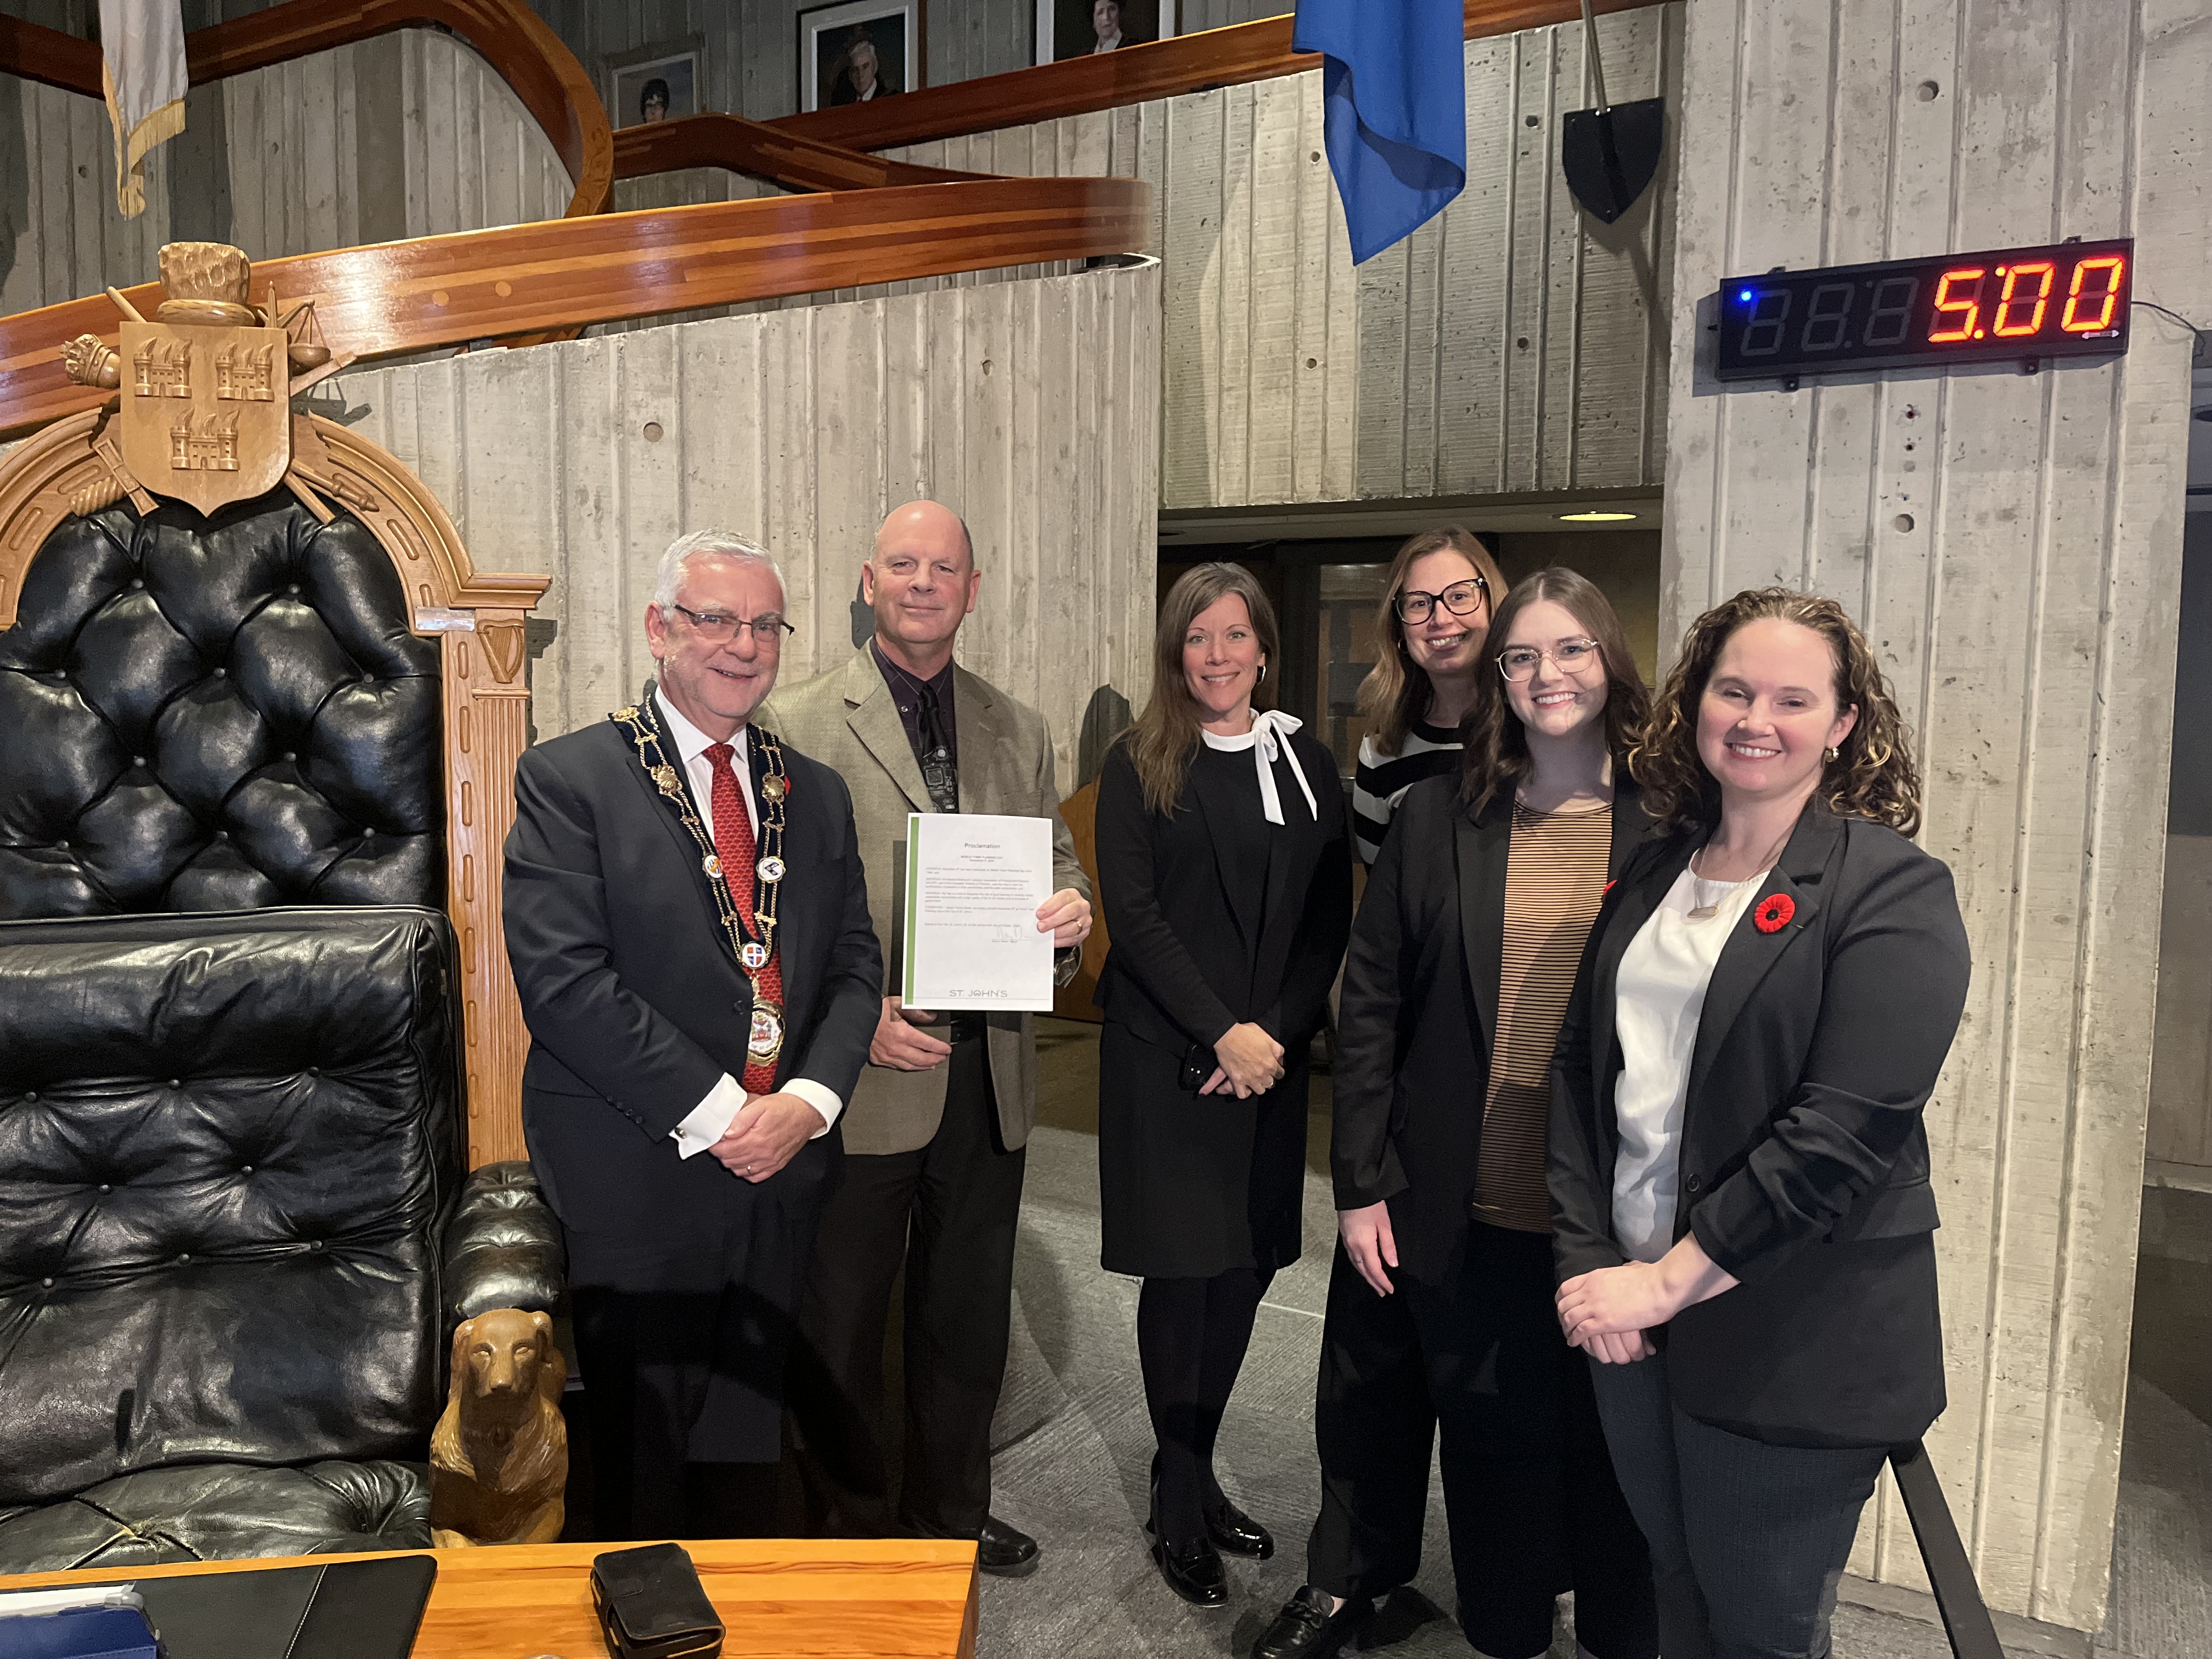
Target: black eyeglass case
650,1605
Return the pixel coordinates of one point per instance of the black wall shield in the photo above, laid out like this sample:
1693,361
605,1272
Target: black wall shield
1609,155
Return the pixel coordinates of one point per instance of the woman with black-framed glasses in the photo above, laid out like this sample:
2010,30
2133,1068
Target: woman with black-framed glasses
1435,615
1440,1312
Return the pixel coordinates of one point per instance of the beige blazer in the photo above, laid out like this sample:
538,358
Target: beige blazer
845,719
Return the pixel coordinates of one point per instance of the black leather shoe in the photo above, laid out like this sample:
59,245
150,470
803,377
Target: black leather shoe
1004,1551
1233,1530
1193,1572
1306,1629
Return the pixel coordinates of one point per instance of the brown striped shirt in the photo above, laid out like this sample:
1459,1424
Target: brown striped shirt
1554,879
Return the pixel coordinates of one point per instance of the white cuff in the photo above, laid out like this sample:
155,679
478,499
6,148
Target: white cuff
710,1119
820,1098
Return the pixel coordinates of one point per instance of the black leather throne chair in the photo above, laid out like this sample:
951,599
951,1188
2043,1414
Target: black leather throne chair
236,1224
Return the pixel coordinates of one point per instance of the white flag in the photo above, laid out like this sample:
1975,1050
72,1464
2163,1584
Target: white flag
143,42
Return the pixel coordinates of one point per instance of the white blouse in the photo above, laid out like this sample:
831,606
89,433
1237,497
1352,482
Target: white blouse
1659,994
1268,739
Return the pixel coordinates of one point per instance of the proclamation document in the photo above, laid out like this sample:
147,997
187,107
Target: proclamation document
973,882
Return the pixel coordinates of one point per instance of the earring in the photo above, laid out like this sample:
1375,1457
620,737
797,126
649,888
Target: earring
1262,680
1832,755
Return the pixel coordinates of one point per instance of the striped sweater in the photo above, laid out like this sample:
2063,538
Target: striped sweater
1380,781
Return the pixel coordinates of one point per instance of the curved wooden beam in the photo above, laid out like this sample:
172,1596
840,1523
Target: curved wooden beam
1134,75
521,48
49,57
716,140
436,291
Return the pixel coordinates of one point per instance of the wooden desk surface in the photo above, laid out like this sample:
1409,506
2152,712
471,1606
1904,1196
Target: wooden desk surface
781,1599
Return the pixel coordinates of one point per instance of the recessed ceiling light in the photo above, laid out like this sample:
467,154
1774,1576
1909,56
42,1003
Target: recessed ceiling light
1594,517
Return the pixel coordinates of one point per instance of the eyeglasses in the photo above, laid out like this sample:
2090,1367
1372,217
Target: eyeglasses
1518,662
715,629
1461,598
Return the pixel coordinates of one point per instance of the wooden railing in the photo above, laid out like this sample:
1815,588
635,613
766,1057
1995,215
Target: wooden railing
1134,75
715,140
522,50
485,284
868,219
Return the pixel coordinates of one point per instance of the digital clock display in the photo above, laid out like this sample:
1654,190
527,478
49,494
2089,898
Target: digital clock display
2020,304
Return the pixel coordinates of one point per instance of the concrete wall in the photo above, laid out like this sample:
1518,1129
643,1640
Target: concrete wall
407,135
2012,545
2180,1139
1508,345
751,47
1031,407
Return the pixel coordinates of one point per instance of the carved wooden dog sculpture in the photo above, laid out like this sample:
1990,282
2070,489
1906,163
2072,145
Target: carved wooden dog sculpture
499,1457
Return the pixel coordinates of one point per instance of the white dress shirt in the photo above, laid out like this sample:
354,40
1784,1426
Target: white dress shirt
1659,996
1108,44
710,1120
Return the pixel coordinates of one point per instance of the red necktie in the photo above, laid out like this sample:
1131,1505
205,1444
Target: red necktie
733,845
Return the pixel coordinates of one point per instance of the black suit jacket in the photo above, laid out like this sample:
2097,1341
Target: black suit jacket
1419,1015
1175,939
1803,1156
633,996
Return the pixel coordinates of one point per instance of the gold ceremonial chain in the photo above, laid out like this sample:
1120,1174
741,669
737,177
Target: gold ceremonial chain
754,950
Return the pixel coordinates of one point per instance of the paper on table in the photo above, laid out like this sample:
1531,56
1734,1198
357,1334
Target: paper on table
973,882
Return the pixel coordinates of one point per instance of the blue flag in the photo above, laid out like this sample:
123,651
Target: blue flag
1394,101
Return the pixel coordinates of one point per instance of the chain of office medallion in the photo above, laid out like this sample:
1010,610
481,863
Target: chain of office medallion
766,894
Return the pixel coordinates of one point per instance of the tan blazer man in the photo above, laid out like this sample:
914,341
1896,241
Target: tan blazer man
935,1130
848,720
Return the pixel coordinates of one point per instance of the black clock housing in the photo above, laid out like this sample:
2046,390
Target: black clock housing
2014,305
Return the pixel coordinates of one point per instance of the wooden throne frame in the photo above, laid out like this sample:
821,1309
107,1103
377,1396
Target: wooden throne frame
479,619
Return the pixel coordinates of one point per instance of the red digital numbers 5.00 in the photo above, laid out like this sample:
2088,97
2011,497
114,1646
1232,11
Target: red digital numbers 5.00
2023,299
2066,301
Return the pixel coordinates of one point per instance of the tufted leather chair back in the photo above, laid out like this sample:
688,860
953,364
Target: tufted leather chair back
226,1144
216,715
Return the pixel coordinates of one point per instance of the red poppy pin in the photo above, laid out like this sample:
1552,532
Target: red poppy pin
1609,886
1772,913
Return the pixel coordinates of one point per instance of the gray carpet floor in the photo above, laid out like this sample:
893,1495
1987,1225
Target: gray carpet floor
1075,1445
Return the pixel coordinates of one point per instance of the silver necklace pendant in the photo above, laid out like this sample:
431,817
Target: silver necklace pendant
1700,910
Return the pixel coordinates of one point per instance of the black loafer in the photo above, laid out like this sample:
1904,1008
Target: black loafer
1306,1629
1004,1551
1237,1533
1193,1572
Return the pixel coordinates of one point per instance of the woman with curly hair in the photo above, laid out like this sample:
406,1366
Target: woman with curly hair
1440,1312
1743,1218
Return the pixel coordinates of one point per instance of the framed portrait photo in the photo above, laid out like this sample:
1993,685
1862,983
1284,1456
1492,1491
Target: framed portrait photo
1080,29
859,51
659,83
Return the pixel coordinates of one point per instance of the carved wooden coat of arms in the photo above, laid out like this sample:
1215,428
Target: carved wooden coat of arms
205,414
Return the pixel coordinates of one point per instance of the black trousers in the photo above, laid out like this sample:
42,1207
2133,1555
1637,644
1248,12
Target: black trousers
949,1212
1747,1540
1530,1492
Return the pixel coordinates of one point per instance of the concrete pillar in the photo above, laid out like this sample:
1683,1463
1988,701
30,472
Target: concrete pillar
2012,545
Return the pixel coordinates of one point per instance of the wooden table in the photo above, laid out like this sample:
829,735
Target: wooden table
791,1599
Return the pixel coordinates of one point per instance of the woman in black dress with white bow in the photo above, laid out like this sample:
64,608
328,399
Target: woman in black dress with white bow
1224,868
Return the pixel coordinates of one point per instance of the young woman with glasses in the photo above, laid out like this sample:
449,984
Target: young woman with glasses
1434,618
1439,1311
1739,1172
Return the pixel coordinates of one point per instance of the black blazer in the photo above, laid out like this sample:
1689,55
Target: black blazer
1419,1015
1804,1159
633,996
1175,936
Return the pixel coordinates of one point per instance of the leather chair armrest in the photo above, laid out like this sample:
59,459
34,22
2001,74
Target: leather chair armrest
503,1246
